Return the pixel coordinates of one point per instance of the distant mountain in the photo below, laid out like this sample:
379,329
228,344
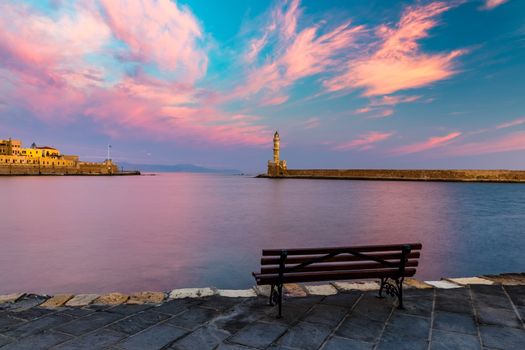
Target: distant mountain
177,168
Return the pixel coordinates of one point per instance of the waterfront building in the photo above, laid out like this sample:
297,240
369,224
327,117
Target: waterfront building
46,160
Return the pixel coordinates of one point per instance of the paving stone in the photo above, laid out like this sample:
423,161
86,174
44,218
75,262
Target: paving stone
8,322
111,299
237,293
26,302
4,340
408,326
38,325
470,280
324,289
502,337
238,317
391,340
193,317
89,323
347,299
498,317
338,343
294,290
225,346
483,301
359,327
146,298
174,307
82,299
138,322
191,293
10,298
329,315
415,283
305,336
44,340
220,303
129,309
263,290
442,284
32,313
204,338
77,311
56,301
374,308
258,335
291,314
443,340
156,337
455,322
454,300
99,339
517,294
363,286
414,294
417,307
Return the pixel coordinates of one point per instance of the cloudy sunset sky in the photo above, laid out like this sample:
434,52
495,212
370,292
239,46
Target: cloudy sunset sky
348,84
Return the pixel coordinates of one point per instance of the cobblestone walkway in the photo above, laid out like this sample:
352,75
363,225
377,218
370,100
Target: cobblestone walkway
476,317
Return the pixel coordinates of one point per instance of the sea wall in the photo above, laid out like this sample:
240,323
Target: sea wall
80,169
408,175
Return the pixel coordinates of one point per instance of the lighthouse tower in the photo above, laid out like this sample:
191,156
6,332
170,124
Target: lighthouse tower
276,167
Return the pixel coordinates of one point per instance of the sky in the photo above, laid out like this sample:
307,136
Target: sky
348,84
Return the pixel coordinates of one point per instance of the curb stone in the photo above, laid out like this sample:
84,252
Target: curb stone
192,293
56,301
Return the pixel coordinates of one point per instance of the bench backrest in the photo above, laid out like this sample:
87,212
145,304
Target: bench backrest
321,264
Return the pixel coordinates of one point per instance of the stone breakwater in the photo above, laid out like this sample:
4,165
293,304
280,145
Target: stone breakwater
405,175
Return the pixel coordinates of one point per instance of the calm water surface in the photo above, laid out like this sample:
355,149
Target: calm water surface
100,234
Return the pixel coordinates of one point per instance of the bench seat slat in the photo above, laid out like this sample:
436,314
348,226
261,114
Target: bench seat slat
332,275
338,258
272,269
363,249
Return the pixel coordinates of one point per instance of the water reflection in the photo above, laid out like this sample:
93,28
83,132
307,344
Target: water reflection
75,234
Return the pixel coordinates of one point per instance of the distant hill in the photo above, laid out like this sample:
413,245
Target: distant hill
177,168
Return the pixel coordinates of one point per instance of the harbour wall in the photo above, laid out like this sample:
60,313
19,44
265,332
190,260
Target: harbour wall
405,174
81,169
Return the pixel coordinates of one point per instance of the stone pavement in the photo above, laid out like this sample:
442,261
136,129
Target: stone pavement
473,317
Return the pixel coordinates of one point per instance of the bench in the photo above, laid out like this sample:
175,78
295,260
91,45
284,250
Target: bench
389,263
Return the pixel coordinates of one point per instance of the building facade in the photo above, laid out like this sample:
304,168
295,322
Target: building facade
16,160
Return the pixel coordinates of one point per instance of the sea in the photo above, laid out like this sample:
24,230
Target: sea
175,230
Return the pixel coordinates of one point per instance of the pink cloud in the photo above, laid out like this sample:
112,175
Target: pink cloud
397,63
312,123
510,124
491,4
44,60
393,100
298,54
507,143
159,32
431,143
364,142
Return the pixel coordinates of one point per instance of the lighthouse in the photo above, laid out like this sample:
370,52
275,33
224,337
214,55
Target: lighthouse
276,144
276,167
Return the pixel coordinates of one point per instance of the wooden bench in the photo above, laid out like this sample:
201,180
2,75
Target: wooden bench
389,263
